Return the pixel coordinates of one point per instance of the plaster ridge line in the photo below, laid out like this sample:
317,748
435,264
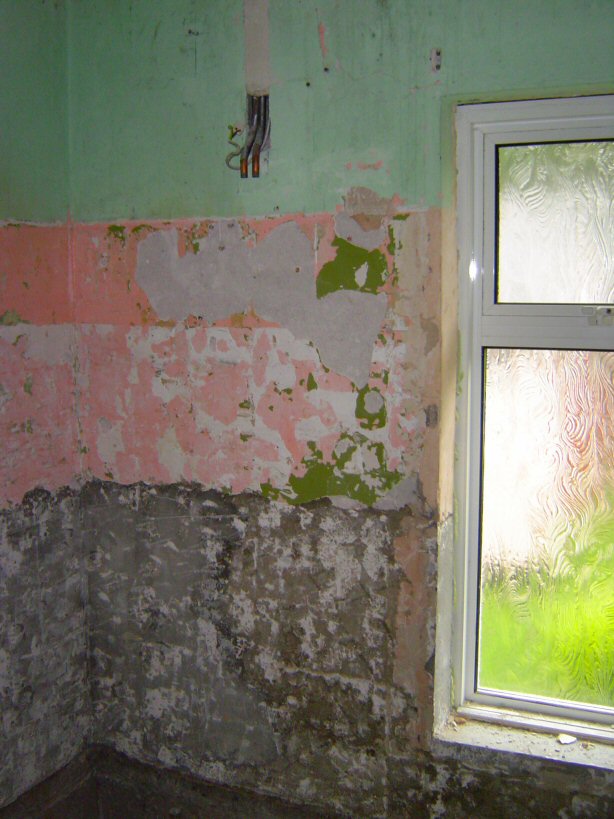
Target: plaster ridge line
334,677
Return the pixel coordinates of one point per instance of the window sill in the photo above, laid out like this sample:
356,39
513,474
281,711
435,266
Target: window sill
466,730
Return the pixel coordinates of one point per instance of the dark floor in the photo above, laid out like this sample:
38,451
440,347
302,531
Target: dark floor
102,784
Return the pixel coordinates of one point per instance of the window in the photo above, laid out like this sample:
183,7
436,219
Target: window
534,516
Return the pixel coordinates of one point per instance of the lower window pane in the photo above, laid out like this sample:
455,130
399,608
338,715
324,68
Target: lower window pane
546,625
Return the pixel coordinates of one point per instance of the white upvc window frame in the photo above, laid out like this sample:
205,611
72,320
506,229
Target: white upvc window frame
485,323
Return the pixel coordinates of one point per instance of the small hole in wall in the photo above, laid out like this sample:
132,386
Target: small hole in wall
308,84
326,69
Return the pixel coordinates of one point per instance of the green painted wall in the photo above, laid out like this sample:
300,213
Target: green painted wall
33,111
151,103
154,101
153,85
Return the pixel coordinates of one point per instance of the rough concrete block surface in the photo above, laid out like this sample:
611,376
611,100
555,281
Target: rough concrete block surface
44,689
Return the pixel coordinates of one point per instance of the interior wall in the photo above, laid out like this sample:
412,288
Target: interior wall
44,686
354,98
241,379
34,111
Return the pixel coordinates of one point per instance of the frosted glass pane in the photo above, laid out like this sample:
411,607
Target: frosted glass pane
547,548
556,223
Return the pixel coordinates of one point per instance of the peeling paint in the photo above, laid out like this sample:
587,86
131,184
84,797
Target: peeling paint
370,209
203,353
370,166
353,269
178,615
227,276
10,318
371,408
117,232
346,227
37,410
322,38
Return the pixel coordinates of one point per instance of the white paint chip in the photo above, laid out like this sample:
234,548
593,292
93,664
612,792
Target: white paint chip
566,739
361,275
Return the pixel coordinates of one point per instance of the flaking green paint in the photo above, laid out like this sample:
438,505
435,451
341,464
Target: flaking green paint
391,241
10,318
27,385
193,237
340,273
312,384
329,479
315,452
345,448
117,232
370,420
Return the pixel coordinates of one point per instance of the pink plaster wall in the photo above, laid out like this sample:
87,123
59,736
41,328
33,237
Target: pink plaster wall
35,273
94,384
38,421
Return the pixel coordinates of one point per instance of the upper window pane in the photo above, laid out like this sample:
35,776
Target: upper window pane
555,232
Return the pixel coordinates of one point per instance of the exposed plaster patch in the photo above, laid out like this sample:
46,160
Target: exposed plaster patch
361,275
370,166
369,209
349,229
51,345
404,494
431,333
226,276
170,454
37,408
322,37
373,402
